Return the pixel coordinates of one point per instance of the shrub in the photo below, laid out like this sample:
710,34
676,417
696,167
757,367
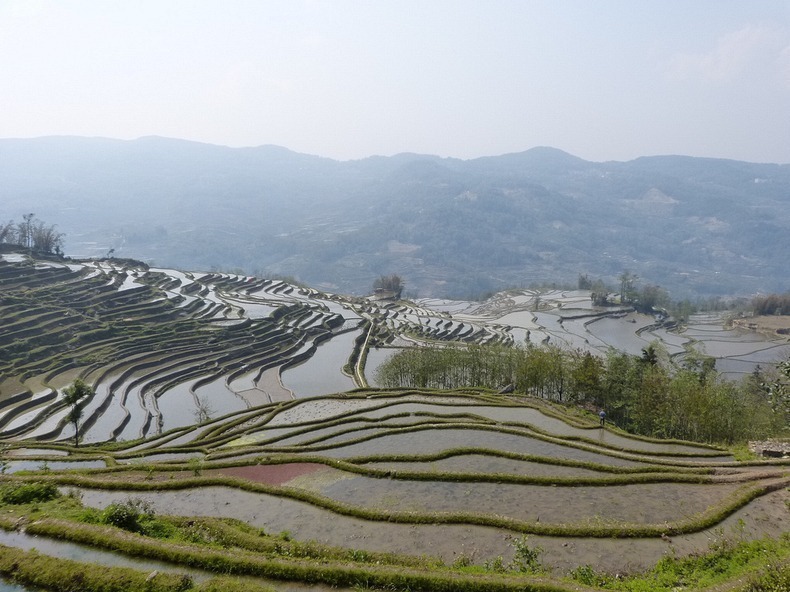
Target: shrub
776,578
526,559
134,515
126,515
25,493
586,574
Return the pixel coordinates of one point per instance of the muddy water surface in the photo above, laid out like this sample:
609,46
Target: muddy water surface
766,516
640,503
478,463
433,441
543,422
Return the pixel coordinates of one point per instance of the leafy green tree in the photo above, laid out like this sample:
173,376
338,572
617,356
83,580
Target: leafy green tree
772,304
779,395
621,381
32,234
584,282
586,378
682,310
75,396
599,293
45,239
7,232
644,394
700,364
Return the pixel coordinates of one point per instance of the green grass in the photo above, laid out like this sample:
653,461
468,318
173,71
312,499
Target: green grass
34,569
762,564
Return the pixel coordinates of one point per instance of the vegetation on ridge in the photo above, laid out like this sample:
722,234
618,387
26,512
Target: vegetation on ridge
644,395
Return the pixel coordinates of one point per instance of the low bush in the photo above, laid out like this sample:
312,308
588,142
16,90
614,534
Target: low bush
134,515
125,515
26,493
763,564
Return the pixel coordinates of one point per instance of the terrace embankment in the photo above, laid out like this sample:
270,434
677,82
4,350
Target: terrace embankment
450,475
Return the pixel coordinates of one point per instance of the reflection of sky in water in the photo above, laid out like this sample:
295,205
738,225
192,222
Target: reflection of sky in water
375,358
322,373
534,417
15,466
9,587
432,441
737,351
621,333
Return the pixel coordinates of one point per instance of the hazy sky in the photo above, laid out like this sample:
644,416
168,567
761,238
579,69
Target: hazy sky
602,79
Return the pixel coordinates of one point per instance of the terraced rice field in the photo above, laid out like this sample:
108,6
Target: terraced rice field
454,476
164,347
161,346
437,474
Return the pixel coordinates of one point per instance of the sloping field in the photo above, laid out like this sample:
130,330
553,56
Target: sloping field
196,455
164,348
456,477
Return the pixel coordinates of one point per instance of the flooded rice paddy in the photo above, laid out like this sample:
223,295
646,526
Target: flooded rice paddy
257,360
643,503
491,465
282,342
439,440
85,554
763,517
413,472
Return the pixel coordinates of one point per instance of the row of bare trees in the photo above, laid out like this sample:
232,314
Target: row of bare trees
772,304
392,284
32,234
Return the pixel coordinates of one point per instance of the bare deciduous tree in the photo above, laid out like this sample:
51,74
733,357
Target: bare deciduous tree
32,234
46,239
390,283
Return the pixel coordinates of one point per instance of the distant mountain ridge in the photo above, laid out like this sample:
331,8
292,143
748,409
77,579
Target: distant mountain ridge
450,227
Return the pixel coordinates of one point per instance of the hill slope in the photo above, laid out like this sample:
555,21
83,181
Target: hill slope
450,227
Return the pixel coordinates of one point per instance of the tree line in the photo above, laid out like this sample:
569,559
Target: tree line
642,394
772,304
651,298
32,234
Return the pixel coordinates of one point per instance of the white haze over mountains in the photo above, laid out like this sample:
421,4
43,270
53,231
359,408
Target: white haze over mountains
451,227
346,79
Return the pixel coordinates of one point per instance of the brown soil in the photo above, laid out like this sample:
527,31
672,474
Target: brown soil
773,325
